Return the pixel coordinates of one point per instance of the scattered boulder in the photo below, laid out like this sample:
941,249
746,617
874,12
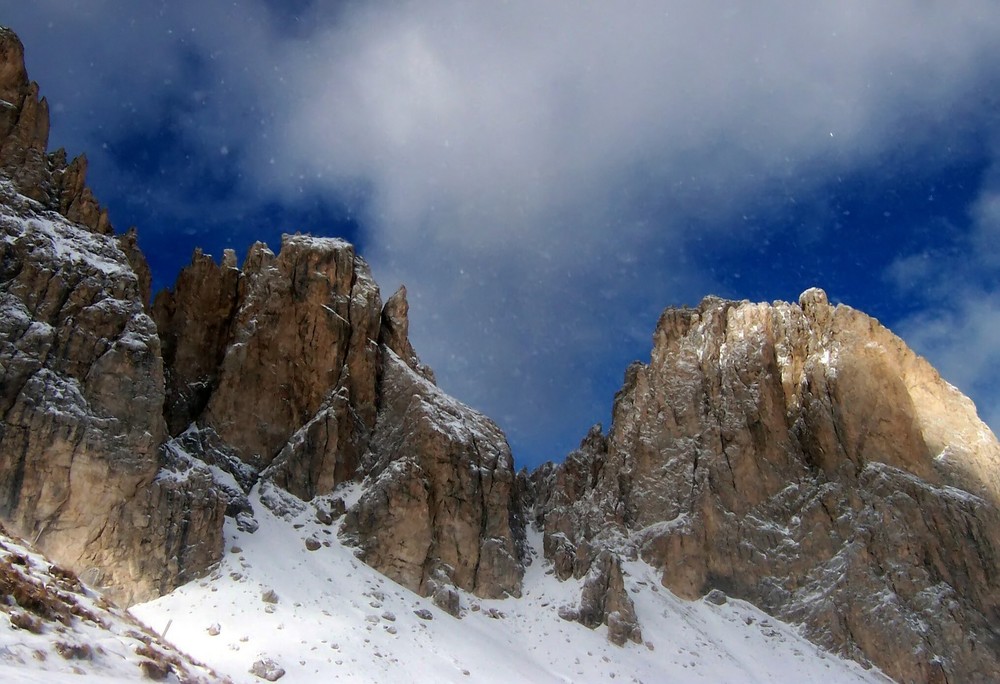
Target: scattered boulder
267,669
569,613
716,597
155,671
447,599
604,600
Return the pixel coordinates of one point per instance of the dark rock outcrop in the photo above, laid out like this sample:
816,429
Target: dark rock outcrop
799,456
194,324
281,360
605,601
394,332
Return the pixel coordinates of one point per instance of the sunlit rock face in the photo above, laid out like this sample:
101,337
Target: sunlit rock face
799,456
259,353
83,472
81,399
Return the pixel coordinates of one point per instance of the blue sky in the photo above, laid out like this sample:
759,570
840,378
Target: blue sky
546,177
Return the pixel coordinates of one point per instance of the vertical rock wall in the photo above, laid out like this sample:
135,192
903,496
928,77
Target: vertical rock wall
439,507
81,376
801,457
81,399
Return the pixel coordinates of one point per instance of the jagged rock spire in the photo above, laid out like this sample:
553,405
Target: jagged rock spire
24,139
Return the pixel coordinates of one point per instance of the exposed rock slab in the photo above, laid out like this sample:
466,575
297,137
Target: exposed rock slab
439,502
801,457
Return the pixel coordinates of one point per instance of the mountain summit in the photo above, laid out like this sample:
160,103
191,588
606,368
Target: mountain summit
795,456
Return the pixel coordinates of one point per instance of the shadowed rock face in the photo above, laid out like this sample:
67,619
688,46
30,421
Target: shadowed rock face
194,323
800,457
439,506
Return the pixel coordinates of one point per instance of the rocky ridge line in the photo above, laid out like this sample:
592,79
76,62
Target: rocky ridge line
800,457
124,442
37,174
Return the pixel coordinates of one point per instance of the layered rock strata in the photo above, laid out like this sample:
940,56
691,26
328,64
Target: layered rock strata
801,457
439,507
81,397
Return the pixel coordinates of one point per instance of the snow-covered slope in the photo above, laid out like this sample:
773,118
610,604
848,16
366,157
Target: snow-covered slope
55,630
337,619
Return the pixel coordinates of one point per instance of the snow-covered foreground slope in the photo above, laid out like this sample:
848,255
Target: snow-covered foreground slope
55,630
337,619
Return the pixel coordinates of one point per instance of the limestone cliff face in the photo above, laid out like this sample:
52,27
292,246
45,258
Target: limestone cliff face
801,457
83,470
439,507
81,396
279,358
294,362
798,455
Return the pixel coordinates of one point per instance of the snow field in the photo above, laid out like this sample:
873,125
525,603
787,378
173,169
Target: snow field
336,619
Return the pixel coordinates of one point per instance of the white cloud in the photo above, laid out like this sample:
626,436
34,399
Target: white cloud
535,167
542,176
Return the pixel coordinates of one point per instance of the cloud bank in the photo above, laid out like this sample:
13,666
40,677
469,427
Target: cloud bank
545,177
